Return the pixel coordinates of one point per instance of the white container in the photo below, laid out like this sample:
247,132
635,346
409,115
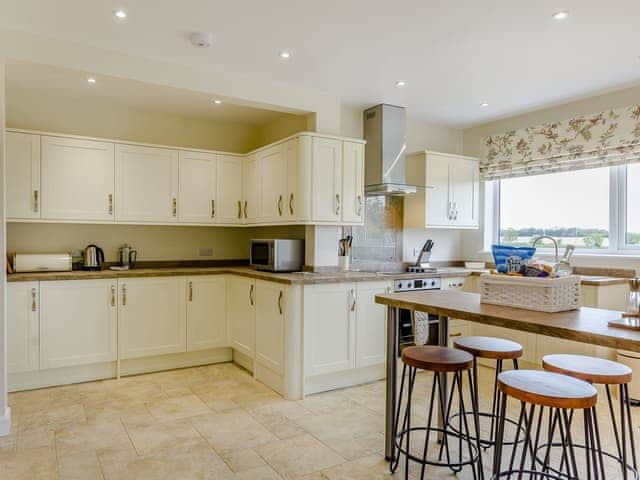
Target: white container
343,263
530,293
41,262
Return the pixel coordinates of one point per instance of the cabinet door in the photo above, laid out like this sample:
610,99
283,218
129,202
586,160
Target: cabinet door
438,197
329,327
465,185
273,179
197,186
352,182
23,327
290,152
326,180
206,312
241,298
147,184
371,324
152,316
78,322
251,189
229,189
270,314
77,179
23,175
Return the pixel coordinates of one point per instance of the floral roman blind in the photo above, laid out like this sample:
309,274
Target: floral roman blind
589,141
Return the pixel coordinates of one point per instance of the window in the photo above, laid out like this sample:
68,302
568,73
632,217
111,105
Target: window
597,210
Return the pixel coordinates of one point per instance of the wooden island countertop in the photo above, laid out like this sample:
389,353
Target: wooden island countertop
587,325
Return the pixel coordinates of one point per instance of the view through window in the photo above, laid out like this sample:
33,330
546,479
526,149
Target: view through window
572,207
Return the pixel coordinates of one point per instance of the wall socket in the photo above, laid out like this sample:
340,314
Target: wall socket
205,252
416,251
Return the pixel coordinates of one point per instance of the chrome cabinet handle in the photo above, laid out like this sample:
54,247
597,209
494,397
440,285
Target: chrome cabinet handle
110,204
291,204
191,291
213,209
113,295
239,208
353,300
34,306
245,209
459,334
280,302
251,294
337,204
36,203
280,205
124,295
360,204
175,206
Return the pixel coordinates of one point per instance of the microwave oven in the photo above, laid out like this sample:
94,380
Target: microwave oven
277,255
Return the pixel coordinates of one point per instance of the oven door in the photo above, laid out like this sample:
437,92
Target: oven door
261,254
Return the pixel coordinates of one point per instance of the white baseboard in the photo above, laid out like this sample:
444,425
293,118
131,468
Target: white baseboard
5,423
347,378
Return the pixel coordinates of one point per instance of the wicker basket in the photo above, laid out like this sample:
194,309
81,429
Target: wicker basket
541,294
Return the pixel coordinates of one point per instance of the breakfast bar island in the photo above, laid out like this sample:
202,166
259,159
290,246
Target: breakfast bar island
586,325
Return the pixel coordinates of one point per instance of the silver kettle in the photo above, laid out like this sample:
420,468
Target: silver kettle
93,258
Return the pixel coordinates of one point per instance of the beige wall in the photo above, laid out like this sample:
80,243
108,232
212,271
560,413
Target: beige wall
281,128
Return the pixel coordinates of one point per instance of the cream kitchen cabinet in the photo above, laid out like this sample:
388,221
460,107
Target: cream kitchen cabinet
290,151
371,324
77,178
152,316
206,312
146,184
23,175
197,187
352,182
23,327
241,311
251,190
326,174
451,195
272,168
78,322
229,189
271,301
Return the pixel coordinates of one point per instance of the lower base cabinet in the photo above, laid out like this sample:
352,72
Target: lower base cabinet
241,302
206,312
371,324
152,316
23,327
78,322
270,325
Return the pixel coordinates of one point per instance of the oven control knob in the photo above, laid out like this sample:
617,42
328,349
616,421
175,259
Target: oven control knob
400,285
433,283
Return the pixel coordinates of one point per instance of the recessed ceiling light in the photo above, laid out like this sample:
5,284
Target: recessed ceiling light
560,15
120,14
91,80
217,102
285,55
201,39
401,83
484,104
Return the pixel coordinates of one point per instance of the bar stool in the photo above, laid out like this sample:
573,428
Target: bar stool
605,372
441,361
497,349
559,394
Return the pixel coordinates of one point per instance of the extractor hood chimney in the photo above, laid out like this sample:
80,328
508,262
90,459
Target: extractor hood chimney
385,133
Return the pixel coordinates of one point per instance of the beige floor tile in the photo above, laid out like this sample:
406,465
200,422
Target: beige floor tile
151,437
92,436
235,430
43,437
51,417
178,407
34,464
80,466
241,460
8,443
279,417
128,413
373,467
261,473
299,456
217,404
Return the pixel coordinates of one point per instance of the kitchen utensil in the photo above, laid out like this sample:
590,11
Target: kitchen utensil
93,258
633,303
425,253
127,256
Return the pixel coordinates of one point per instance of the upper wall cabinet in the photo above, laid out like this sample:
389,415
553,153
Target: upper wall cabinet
452,194
23,175
251,190
77,179
147,184
197,190
352,182
272,165
326,174
229,190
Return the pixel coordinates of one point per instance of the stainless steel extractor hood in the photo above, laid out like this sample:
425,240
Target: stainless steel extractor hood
385,133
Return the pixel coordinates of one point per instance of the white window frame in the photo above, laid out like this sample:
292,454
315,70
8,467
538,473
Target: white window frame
617,217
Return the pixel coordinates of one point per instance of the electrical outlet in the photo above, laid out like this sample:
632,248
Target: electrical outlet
416,251
205,252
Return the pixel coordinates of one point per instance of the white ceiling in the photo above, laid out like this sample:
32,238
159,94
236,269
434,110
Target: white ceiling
453,55
31,77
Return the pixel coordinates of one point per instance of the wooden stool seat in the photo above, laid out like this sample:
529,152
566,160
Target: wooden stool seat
489,347
548,389
437,359
589,369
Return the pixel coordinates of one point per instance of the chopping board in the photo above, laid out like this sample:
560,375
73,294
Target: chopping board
626,323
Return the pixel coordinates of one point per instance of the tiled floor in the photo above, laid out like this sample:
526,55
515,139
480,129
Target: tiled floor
210,422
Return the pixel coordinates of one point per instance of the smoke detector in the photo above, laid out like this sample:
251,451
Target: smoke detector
201,39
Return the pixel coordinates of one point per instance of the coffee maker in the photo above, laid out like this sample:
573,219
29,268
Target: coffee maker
127,256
